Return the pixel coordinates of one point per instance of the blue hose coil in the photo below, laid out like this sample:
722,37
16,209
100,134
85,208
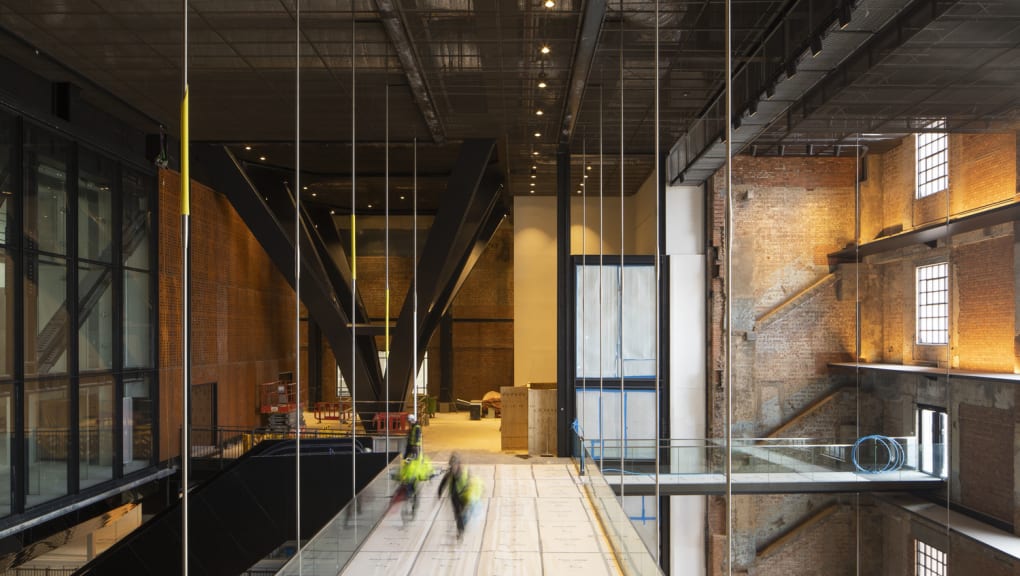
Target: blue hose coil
897,457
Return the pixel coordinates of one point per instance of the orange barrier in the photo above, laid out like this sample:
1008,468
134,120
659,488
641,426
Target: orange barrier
396,421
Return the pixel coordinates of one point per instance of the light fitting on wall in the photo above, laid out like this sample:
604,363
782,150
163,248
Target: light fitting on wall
816,46
845,13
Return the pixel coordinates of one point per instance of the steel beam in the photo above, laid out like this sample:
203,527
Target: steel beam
446,259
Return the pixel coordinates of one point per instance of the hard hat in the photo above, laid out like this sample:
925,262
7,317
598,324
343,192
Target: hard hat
411,418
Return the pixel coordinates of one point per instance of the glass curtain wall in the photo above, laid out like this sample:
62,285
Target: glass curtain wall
76,305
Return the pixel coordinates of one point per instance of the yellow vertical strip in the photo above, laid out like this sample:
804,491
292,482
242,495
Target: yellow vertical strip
354,249
185,166
387,336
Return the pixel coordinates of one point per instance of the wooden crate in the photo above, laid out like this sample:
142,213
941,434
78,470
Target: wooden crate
514,426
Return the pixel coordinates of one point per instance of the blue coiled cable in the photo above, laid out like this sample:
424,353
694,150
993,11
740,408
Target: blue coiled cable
897,456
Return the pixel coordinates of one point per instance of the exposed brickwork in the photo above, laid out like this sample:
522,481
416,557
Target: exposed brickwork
986,474
984,296
832,543
242,310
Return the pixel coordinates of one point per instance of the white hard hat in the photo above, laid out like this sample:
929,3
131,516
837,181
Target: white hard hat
412,418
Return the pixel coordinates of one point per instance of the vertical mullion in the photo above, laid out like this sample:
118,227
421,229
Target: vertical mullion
117,313
73,381
18,256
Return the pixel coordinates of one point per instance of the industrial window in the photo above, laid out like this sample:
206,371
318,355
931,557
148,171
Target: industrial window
930,560
932,159
933,441
933,304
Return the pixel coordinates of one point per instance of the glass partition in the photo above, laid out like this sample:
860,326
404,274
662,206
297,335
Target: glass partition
7,439
138,450
47,322
47,440
95,430
95,317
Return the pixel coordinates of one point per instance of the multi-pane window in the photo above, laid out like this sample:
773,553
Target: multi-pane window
933,304
932,159
930,560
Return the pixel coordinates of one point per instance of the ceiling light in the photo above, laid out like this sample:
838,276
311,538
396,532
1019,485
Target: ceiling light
304,187
537,113
535,153
578,191
532,191
550,4
401,197
247,147
262,158
534,176
314,194
370,206
545,50
589,168
541,83
534,167
332,211
586,176
538,134
532,184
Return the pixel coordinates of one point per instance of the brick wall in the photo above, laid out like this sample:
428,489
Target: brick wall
984,323
986,473
242,310
832,544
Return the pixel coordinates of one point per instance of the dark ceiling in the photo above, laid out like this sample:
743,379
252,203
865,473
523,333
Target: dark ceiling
428,74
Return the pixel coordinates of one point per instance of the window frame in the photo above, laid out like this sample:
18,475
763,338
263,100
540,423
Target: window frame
929,318
928,564
931,159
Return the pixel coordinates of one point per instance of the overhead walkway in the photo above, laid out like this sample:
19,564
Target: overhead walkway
531,519
759,466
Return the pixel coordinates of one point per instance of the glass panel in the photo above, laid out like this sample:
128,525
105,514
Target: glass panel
639,321
47,439
8,184
137,189
96,177
6,438
593,312
137,320
6,314
95,312
137,423
46,319
46,201
95,430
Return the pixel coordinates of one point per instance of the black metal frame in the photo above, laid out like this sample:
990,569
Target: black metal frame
17,246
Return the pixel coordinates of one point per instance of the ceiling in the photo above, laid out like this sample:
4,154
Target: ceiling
427,74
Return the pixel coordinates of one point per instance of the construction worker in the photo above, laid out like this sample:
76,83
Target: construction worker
413,446
465,490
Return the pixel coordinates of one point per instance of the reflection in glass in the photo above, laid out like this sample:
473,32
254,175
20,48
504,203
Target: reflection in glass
96,177
47,440
137,215
6,437
8,184
638,346
137,423
95,430
137,320
46,317
46,199
6,314
95,312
